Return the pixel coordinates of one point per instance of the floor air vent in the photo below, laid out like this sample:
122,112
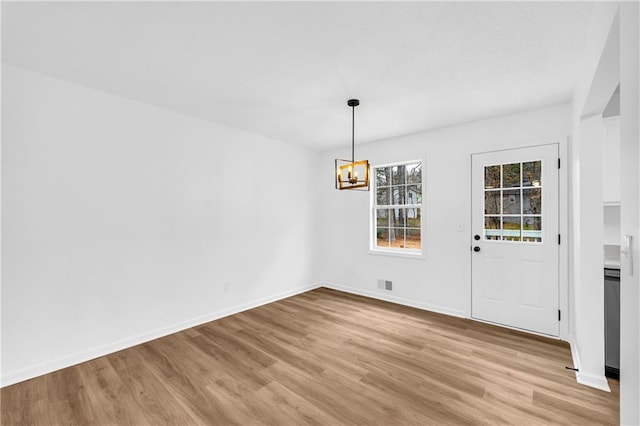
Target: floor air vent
385,285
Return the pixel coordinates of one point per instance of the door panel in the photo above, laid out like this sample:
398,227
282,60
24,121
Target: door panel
531,275
515,261
492,274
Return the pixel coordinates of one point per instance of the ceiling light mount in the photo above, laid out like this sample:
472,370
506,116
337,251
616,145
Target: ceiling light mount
346,171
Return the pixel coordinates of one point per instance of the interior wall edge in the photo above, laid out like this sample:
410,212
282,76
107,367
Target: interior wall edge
592,380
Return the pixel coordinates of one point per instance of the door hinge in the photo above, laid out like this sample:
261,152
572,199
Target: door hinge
558,239
558,163
559,315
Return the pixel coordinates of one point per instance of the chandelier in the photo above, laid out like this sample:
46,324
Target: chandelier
352,174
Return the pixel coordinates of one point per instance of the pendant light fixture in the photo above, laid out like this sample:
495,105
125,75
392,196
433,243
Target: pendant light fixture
352,174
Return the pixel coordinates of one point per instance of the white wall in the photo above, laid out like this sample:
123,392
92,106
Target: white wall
123,221
442,281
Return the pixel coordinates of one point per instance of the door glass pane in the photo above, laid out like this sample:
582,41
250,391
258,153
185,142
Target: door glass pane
382,237
511,201
531,201
511,228
532,173
532,229
492,228
382,217
413,218
511,175
491,177
382,196
492,202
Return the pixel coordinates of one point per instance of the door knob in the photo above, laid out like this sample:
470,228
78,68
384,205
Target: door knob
476,249
476,237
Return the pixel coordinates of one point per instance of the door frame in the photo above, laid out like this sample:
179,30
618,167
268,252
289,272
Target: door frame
563,226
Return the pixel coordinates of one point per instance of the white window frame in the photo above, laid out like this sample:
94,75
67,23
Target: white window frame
392,251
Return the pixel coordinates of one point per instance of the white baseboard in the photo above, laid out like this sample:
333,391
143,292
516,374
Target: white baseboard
68,361
394,299
592,380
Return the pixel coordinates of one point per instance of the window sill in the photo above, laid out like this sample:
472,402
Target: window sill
392,253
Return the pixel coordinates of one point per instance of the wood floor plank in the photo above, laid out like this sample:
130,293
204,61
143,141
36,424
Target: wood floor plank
321,358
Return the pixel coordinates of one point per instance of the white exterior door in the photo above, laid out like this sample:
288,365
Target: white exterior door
515,242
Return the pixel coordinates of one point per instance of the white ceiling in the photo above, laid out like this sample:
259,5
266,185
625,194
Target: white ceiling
286,70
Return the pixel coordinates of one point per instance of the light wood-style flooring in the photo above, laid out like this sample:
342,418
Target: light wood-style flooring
323,358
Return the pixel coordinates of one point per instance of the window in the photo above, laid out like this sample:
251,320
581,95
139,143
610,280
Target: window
513,202
397,208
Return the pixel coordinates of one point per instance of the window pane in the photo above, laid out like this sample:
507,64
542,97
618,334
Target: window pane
511,175
398,217
492,202
413,239
532,229
511,228
382,217
398,195
396,237
382,237
399,174
383,176
382,196
414,173
413,217
531,201
491,177
532,173
414,194
511,201
492,228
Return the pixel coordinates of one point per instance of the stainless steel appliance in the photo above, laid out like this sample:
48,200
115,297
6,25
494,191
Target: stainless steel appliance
612,323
